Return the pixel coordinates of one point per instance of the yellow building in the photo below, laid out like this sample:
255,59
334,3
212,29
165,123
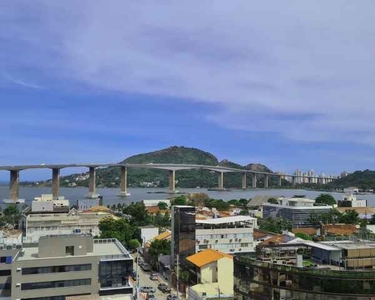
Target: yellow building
214,272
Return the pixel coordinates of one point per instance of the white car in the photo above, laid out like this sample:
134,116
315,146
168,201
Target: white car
147,289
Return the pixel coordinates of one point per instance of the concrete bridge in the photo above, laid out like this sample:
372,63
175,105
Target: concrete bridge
171,168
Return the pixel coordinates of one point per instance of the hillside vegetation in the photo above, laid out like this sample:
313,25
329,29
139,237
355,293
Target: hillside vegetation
364,180
110,177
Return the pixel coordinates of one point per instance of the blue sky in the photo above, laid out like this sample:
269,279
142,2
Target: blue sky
289,84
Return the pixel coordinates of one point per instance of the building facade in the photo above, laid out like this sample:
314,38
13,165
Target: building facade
304,270
296,210
214,273
75,265
74,222
229,235
183,233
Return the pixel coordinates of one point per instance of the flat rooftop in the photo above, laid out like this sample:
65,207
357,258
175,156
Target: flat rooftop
105,248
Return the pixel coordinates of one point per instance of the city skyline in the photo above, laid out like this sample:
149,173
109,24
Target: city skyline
288,86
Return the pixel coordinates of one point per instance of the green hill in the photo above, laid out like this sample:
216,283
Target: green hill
364,180
110,177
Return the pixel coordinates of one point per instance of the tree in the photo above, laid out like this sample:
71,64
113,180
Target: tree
275,225
11,215
159,247
326,199
303,236
350,217
134,244
119,229
273,201
139,214
372,220
162,205
180,200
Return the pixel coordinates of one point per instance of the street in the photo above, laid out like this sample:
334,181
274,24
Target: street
145,280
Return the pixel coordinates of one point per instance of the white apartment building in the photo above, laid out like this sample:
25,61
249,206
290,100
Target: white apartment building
74,222
350,199
229,235
46,203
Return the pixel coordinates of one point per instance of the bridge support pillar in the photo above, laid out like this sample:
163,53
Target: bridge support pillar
172,181
266,181
14,187
55,183
293,180
124,182
220,181
92,184
244,181
280,180
254,180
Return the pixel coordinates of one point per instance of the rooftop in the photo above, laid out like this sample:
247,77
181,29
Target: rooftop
105,248
226,220
207,256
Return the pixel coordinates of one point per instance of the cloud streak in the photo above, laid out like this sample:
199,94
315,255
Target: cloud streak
299,70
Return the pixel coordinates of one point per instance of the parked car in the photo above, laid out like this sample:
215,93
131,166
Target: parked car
154,276
145,267
147,289
151,296
172,297
164,288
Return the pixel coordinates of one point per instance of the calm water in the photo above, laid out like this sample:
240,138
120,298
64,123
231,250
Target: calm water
138,194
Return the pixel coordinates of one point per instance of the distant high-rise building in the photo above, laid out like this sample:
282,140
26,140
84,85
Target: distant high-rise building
183,233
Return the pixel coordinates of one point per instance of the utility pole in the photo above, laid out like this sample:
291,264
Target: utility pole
178,272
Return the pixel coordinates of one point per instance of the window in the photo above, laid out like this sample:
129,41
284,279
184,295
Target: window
56,269
69,250
54,284
244,244
201,247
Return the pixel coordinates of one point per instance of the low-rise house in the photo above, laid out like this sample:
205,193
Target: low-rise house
213,272
148,233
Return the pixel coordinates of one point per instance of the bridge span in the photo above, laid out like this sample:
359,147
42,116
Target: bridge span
171,168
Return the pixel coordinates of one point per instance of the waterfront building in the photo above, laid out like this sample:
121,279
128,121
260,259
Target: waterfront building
350,199
302,269
74,222
47,204
183,233
213,272
296,210
229,235
71,265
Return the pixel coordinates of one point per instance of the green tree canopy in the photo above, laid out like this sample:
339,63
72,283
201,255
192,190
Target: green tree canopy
119,229
303,236
162,205
11,215
325,199
134,244
276,225
159,247
138,213
180,200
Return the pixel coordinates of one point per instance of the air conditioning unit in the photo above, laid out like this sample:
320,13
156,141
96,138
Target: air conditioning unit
216,241
239,240
236,239
18,284
230,240
240,249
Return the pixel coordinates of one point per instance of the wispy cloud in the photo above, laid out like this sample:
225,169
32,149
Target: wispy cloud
21,82
299,70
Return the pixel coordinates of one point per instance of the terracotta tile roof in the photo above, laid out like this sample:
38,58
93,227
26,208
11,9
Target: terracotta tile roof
258,234
207,256
341,229
277,239
154,209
